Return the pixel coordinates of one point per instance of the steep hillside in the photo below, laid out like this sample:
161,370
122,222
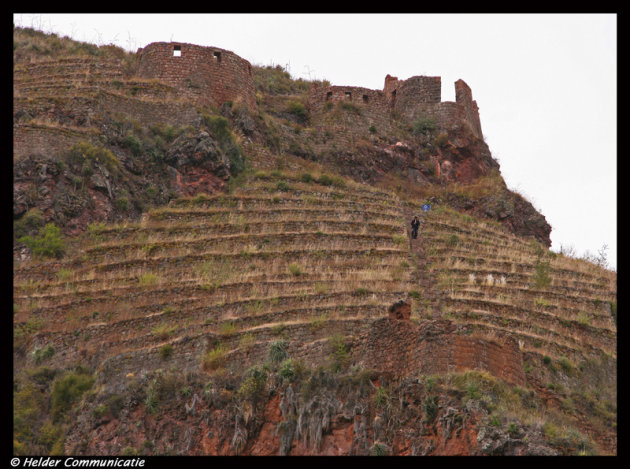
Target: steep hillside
239,278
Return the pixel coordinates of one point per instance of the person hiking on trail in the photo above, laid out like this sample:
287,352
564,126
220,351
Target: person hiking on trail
415,224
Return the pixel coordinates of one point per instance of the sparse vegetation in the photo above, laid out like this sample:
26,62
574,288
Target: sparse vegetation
424,124
49,243
214,358
278,351
67,390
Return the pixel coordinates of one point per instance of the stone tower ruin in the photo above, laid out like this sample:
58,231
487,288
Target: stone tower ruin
211,75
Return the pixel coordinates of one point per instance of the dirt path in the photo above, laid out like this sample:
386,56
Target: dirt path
423,278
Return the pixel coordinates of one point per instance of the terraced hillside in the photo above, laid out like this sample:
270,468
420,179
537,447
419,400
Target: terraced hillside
231,269
191,280
309,268
562,311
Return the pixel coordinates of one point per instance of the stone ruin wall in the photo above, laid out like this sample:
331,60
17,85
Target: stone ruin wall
210,75
409,99
402,348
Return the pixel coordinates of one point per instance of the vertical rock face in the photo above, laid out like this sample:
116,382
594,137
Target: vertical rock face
197,165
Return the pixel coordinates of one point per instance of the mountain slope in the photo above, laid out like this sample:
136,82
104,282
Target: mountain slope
230,280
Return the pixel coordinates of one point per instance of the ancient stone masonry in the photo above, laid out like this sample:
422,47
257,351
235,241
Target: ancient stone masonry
211,75
418,96
399,346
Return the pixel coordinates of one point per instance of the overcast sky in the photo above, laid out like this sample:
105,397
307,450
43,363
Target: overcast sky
546,85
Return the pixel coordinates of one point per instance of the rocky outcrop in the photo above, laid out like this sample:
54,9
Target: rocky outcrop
197,165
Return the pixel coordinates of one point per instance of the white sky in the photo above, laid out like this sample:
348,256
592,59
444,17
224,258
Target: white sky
545,84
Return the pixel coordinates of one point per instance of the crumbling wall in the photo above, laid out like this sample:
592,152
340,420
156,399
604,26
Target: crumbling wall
211,75
463,97
418,96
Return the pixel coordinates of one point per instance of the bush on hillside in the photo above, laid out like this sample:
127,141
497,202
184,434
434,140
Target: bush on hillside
48,244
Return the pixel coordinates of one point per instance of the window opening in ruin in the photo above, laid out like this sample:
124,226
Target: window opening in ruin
348,94
365,98
217,56
177,51
328,95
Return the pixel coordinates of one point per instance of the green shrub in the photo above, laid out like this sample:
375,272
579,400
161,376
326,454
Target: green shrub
166,131
339,352
64,274
379,450
381,398
253,385
399,239
372,129
307,177
151,400
166,351
215,358
287,369
131,142
51,437
122,203
295,269
274,80
67,390
85,152
566,365
415,294
430,408
200,198
95,230
283,186
349,107
219,127
48,244
542,279
31,221
43,353
512,429
452,240
278,351
328,180
99,411
114,404
472,391
228,329
298,109
424,124
147,279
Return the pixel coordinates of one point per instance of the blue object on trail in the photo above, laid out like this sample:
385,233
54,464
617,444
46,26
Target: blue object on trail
426,207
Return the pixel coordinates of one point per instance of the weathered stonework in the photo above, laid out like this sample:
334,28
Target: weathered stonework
409,99
432,347
211,75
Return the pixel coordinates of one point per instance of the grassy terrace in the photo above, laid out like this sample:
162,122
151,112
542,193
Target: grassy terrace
496,283
300,259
